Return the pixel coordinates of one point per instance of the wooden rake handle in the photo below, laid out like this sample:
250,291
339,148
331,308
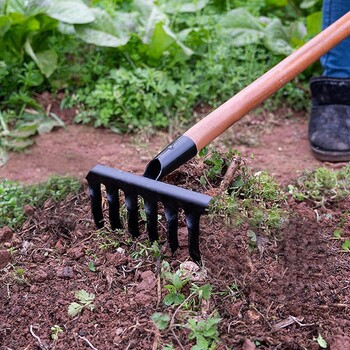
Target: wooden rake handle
215,123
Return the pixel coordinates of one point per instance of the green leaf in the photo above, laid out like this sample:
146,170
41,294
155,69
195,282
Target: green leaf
160,41
105,30
5,24
177,281
202,343
241,28
84,297
161,320
24,130
169,299
70,11
276,39
17,6
74,309
91,266
321,342
175,6
306,4
174,298
314,23
45,60
337,233
206,291
18,144
46,126
151,16
277,3
346,245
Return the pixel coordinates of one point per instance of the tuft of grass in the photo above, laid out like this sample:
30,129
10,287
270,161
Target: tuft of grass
254,198
14,196
322,186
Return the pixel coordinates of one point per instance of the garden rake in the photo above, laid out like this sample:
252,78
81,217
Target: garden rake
188,145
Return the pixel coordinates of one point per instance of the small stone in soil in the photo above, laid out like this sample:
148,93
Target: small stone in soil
28,210
65,272
76,253
60,247
6,234
40,276
248,345
5,258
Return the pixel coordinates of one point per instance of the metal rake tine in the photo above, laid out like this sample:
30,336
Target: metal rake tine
171,217
152,219
132,213
96,204
192,222
114,207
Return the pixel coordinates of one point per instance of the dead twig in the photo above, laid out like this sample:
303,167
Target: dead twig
230,174
41,344
87,342
177,339
289,321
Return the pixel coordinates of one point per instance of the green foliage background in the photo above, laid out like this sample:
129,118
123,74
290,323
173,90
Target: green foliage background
130,64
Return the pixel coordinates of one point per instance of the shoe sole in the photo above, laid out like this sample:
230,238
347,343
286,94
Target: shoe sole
331,156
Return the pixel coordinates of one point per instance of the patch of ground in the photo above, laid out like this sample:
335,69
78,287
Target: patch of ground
283,295
279,145
286,292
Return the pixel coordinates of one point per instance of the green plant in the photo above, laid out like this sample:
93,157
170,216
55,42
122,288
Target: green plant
107,239
205,332
146,250
321,342
14,196
168,347
174,296
19,275
161,320
216,164
199,293
55,331
24,129
346,245
91,266
322,186
253,198
85,301
337,233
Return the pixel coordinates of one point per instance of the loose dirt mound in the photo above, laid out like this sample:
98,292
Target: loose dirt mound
282,295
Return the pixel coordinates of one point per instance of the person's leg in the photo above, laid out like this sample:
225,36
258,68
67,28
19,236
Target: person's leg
336,63
329,126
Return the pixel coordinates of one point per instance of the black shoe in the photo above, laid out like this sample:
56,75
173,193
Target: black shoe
329,126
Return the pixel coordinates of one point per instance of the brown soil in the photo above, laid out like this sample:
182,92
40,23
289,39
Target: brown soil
279,145
283,295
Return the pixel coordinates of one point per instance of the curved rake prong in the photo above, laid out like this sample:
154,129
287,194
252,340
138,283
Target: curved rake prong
114,207
192,222
152,219
171,217
132,214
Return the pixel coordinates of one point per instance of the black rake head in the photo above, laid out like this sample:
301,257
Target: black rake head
172,197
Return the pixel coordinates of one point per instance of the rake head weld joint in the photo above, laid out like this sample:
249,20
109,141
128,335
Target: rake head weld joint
173,198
